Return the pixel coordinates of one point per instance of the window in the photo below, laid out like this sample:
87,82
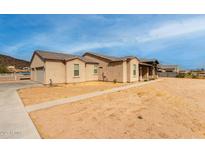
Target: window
76,69
95,69
134,70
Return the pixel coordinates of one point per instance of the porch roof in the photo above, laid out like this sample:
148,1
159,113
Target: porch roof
145,64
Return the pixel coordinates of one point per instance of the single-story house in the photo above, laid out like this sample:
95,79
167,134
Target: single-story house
55,67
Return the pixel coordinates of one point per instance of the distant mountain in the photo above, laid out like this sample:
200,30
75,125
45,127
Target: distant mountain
11,61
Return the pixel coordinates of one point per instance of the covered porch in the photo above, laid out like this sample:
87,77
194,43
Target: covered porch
147,72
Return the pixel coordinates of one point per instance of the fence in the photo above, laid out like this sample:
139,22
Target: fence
167,74
13,76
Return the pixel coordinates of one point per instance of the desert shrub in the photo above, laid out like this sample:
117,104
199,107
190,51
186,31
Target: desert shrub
194,77
188,75
180,75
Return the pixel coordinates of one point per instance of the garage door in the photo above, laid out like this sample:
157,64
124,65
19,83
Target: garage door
40,74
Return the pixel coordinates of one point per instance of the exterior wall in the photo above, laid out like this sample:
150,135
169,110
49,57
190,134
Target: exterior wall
130,77
70,78
115,72
89,73
124,71
33,74
36,62
54,71
103,65
121,71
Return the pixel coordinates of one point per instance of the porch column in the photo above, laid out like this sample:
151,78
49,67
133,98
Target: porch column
156,72
140,77
147,73
153,72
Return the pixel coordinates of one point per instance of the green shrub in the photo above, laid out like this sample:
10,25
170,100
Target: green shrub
194,77
180,75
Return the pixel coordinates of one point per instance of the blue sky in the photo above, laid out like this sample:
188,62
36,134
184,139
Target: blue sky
172,39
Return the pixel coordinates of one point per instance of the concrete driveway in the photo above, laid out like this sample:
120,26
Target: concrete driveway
14,120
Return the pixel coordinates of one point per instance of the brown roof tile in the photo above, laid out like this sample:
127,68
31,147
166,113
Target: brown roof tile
111,58
48,55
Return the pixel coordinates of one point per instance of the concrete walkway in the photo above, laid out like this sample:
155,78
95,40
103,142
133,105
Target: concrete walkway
14,120
84,96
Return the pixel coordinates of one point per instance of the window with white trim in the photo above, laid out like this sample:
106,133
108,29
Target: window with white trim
95,69
134,70
76,70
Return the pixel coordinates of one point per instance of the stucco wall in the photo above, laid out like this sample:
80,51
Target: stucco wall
130,76
121,71
125,71
70,78
36,62
89,73
103,65
55,71
115,72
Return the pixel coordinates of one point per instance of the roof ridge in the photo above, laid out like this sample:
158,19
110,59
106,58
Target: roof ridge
55,52
111,58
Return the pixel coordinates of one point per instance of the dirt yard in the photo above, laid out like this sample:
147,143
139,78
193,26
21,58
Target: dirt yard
35,95
172,108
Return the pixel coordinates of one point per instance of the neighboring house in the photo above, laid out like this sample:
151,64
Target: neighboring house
168,70
65,68
53,67
11,68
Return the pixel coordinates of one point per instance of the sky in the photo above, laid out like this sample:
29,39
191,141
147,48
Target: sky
172,39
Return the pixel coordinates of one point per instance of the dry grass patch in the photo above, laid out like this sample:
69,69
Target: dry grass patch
173,108
35,95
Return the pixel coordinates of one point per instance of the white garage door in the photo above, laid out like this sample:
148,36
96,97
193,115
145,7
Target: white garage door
40,74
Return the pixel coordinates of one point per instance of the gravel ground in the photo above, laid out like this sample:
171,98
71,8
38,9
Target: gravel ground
35,95
172,108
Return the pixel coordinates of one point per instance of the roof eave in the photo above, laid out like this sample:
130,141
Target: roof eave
144,64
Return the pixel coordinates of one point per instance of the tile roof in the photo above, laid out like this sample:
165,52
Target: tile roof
145,60
49,55
110,58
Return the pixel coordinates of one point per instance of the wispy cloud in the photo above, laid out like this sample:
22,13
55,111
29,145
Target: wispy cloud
92,45
173,29
145,35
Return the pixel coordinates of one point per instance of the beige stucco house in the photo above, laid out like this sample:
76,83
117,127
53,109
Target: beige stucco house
62,68
54,67
124,69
